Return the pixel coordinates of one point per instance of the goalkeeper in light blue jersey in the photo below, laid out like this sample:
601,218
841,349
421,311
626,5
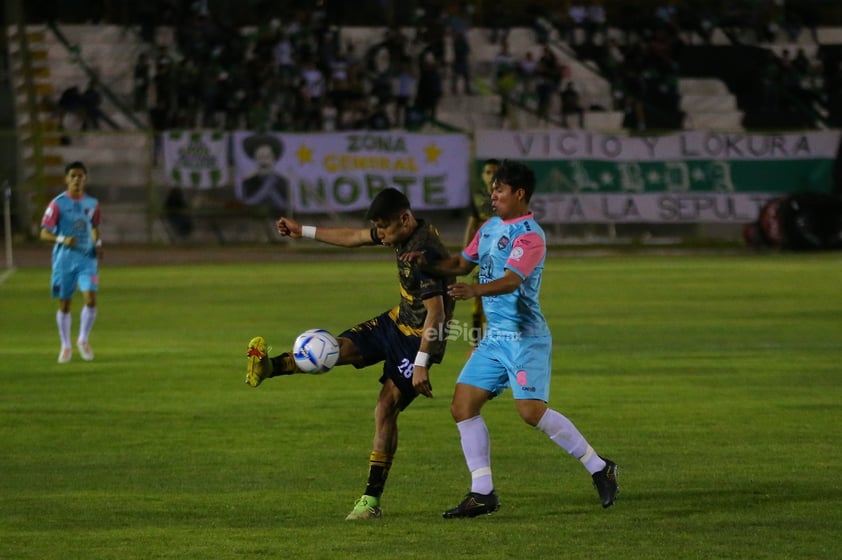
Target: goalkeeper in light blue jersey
71,222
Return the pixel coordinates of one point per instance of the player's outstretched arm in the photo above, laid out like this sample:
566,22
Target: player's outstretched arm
451,266
342,237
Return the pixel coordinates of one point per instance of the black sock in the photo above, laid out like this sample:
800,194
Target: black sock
283,365
378,470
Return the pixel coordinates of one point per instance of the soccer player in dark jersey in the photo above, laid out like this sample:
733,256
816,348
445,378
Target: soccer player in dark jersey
481,212
408,338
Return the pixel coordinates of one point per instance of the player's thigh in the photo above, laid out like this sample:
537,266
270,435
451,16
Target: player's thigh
348,352
365,342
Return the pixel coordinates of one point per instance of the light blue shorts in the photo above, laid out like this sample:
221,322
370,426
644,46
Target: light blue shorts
522,363
72,269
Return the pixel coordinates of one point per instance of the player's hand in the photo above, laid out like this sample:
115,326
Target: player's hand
414,257
421,381
288,227
460,290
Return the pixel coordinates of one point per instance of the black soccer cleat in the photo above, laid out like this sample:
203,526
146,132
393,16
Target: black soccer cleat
473,505
605,482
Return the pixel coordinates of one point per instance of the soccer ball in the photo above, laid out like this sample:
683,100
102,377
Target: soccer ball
315,351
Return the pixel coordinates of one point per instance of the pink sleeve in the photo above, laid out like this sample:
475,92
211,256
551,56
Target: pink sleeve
50,219
471,252
95,220
527,252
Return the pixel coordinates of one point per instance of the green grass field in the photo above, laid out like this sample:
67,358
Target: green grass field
715,383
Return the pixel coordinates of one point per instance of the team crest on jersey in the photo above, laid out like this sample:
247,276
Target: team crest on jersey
503,242
517,253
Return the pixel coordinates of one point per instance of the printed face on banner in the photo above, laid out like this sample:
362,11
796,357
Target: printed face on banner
260,181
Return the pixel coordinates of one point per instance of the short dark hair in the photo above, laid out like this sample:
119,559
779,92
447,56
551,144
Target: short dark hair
388,204
491,161
517,175
75,165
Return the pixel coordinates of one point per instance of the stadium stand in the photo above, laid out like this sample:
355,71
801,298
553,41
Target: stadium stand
634,71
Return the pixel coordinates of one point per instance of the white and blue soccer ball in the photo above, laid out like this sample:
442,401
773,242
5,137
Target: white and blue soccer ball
315,351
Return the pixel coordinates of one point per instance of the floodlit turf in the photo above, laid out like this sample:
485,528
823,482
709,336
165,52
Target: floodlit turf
714,382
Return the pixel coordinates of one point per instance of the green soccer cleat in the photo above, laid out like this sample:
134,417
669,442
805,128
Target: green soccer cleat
259,366
367,507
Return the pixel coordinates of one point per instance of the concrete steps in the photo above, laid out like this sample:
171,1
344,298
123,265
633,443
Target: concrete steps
708,105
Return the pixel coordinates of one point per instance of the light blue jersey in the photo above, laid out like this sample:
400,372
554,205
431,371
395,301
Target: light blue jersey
518,245
515,351
76,265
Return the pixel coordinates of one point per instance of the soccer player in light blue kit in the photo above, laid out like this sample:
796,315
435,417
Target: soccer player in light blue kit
516,349
71,222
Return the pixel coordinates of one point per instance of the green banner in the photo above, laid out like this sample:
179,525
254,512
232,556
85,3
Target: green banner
684,177
769,176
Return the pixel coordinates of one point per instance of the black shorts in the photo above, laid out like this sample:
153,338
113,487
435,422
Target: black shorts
380,340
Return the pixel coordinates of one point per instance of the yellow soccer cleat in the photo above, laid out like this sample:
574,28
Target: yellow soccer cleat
259,366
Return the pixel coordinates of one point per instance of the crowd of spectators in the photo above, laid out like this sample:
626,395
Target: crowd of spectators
298,75
789,81
642,62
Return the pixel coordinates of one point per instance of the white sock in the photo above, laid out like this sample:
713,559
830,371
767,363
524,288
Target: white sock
87,318
565,435
476,446
64,320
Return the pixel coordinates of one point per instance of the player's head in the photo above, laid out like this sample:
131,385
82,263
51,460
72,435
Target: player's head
75,177
75,165
518,176
391,215
389,204
489,168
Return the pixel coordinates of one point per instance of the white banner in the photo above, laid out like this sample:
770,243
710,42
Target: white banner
196,160
340,172
649,208
691,145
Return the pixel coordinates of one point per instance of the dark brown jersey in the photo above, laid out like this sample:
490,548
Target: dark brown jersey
417,285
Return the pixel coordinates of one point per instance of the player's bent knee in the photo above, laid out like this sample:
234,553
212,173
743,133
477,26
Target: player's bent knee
531,411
